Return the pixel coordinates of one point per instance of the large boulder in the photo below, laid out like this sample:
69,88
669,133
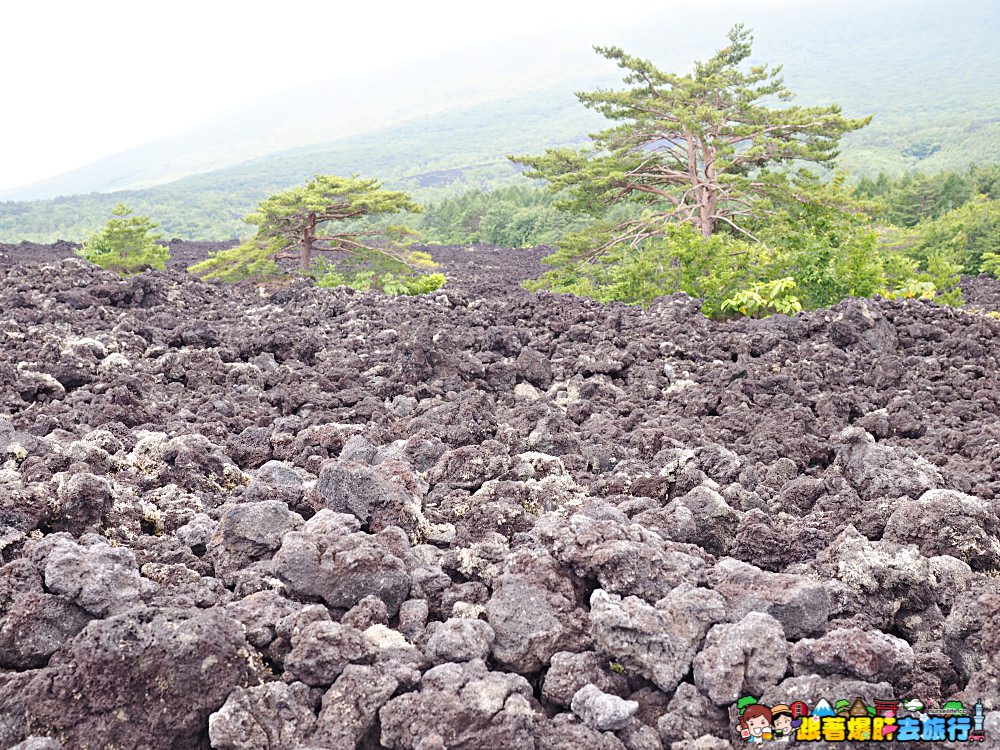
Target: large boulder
946,522
659,642
275,716
800,604
534,613
743,658
139,675
467,704
882,471
330,559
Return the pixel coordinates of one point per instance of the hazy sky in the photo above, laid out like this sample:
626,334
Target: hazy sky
82,80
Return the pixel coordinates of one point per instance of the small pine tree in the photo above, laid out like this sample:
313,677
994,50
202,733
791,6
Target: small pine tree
127,244
304,221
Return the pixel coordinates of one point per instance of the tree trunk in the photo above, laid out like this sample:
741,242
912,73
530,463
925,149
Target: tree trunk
306,249
706,224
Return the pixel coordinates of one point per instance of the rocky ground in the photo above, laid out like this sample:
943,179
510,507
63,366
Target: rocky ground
243,518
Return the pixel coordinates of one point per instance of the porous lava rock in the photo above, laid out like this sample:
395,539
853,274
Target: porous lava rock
276,515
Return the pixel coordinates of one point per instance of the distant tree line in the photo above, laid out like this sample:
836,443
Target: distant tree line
700,184
906,201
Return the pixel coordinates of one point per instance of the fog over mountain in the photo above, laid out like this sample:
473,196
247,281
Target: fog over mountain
916,69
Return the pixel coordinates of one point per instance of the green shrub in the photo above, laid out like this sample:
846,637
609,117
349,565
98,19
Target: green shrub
765,298
127,244
389,282
967,234
711,268
990,264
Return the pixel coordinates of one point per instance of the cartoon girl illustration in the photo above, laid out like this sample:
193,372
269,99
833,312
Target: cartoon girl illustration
755,723
784,725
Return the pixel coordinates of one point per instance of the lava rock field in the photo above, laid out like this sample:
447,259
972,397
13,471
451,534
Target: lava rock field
277,517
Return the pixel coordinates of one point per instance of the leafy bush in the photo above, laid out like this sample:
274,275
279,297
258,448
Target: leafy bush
392,283
991,264
711,268
423,283
965,234
765,298
812,253
127,244
826,243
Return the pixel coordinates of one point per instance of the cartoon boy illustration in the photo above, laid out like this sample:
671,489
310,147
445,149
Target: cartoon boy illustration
783,723
755,723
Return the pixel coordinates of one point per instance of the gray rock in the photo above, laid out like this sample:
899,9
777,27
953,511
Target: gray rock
659,642
260,613
810,688
882,471
387,495
471,466
690,715
534,367
326,560
38,743
568,672
101,579
35,626
971,629
250,532
637,736
855,653
84,499
275,480
705,742
389,646
358,449
991,726
197,533
466,703
534,613
13,712
714,521
369,611
946,522
459,639
800,604
566,732
883,577
351,705
322,650
102,685
275,716
627,560
954,578
601,711
743,658
251,448
413,618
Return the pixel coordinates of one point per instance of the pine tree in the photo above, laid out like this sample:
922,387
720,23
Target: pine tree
126,244
705,149
319,217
